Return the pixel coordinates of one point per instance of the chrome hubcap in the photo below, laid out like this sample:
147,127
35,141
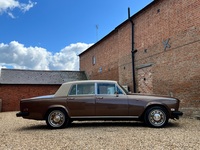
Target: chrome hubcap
157,117
56,118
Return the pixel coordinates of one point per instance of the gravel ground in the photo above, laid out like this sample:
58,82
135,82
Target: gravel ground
18,134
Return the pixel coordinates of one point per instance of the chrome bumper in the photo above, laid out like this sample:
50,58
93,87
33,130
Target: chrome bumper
22,114
176,114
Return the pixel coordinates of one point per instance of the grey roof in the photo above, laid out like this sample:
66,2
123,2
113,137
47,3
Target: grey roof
18,76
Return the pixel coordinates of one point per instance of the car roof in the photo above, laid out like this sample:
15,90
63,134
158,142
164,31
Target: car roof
65,87
90,81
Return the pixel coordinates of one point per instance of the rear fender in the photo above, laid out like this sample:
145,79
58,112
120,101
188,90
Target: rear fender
57,106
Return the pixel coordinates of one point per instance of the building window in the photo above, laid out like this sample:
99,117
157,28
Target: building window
93,60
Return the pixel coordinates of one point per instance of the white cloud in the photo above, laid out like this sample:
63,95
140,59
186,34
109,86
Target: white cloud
17,56
26,7
7,6
11,15
67,57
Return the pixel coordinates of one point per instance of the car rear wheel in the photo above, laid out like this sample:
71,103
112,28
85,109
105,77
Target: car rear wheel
57,118
156,117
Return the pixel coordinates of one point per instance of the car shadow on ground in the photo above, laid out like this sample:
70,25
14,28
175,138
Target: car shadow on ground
98,124
33,127
88,124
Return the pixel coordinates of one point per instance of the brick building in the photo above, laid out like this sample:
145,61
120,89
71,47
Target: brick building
18,84
167,52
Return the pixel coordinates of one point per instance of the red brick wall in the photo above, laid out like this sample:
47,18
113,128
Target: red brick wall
106,66
11,94
174,70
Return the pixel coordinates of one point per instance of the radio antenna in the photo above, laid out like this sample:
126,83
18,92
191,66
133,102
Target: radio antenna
97,27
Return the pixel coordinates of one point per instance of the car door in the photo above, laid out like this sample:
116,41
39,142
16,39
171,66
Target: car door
81,100
110,101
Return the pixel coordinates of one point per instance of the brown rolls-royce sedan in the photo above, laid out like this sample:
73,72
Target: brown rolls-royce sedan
99,100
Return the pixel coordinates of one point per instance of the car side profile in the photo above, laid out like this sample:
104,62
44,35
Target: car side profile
99,100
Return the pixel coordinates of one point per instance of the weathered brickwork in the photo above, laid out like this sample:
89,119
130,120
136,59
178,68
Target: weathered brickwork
12,94
167,36
16,84
145,80
104,67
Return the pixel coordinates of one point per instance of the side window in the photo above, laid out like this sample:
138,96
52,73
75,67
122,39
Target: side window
73,90
80,89
85,89
106,88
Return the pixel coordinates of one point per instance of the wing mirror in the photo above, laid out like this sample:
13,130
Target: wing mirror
117,94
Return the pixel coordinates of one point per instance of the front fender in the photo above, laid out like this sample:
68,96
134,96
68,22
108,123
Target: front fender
151,104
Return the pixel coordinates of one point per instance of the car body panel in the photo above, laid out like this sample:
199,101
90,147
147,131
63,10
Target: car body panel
81,105
111,105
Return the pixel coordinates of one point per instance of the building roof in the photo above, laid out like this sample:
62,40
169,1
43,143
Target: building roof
18,76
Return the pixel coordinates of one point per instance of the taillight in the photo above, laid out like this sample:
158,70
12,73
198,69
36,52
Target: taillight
25,110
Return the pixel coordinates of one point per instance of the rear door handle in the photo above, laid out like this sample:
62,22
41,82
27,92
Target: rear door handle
99,97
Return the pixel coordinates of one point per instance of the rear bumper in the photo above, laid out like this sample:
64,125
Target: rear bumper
176,114
22,114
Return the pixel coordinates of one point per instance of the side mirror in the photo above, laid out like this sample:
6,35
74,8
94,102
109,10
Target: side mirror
117,94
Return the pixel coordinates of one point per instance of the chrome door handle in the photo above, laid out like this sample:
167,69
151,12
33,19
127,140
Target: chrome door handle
99,97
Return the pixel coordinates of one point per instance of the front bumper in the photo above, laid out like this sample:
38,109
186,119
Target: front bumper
176,114
22,114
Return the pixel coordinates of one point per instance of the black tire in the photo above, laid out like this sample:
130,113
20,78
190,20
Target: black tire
57,118
156,117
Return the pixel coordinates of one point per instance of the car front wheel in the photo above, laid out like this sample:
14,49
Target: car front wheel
156,117
57,118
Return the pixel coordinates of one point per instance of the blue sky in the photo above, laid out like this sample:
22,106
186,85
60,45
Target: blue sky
49,34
